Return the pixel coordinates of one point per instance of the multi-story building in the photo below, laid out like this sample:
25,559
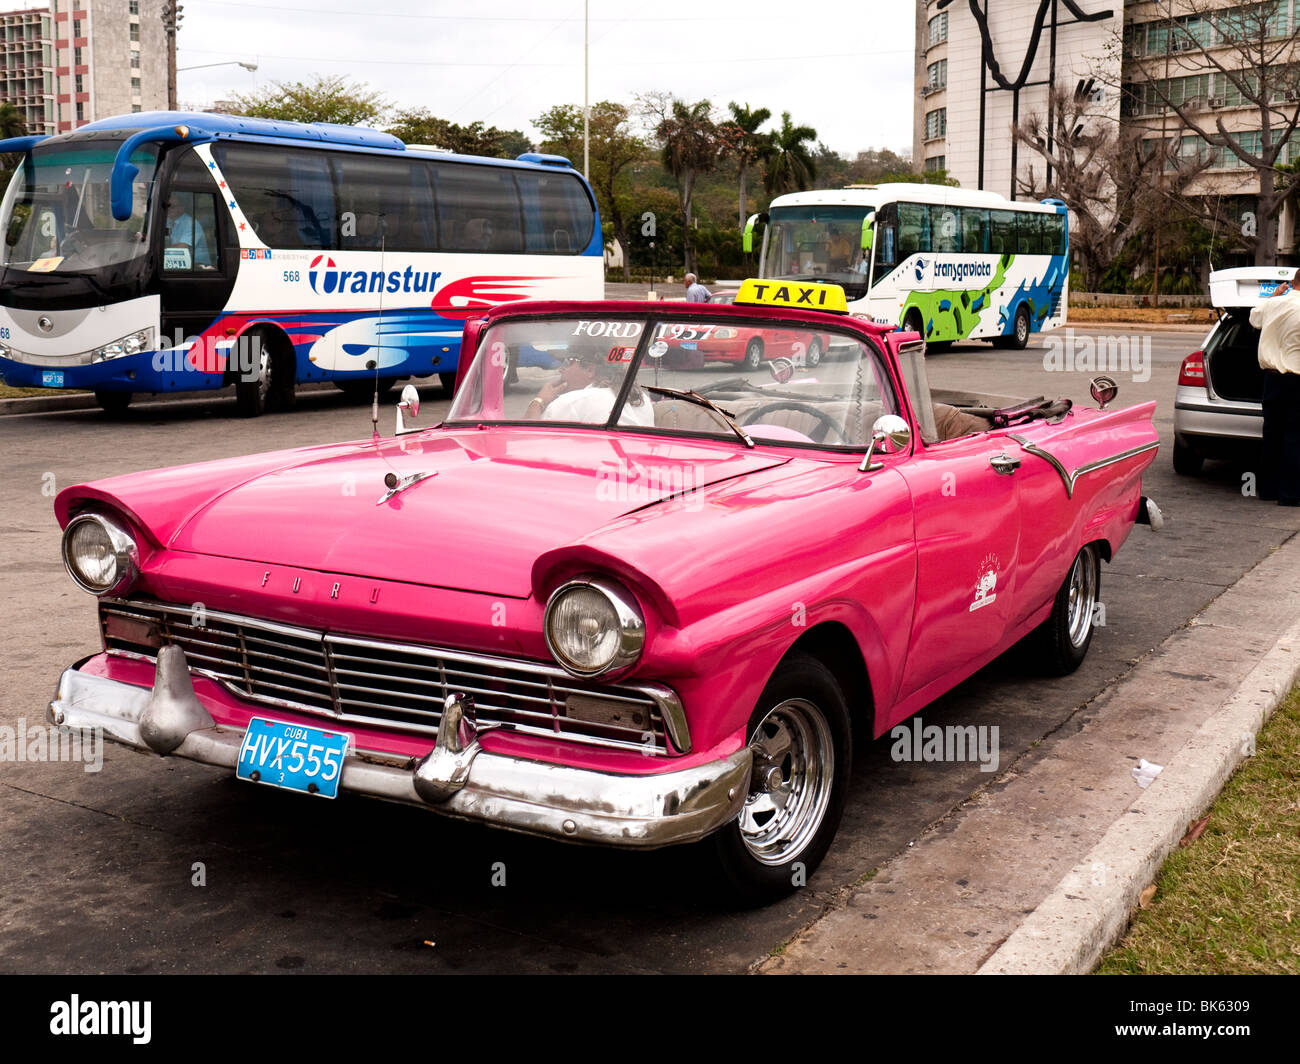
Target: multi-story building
1133,59
79,60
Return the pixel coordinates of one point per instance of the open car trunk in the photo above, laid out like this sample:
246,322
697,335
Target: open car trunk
1232,358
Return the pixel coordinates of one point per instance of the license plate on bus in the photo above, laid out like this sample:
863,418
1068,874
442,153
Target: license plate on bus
51,378
293,757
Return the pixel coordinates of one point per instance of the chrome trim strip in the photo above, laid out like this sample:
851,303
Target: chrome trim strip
533,797
1070,479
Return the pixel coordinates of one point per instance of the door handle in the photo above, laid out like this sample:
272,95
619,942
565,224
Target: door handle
1004,465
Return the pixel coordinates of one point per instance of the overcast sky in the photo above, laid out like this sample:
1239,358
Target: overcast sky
847,73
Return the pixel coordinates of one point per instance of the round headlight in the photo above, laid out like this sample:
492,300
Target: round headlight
101,555
594,627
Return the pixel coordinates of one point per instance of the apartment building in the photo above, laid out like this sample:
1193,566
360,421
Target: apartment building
78,60
1132,60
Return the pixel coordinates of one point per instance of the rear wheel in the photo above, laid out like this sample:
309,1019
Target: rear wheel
800,739
1019,338
1065,636
1187,463
754,353
113,404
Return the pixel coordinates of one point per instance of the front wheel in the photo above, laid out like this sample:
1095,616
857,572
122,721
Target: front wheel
1065,636
814,354
754,353
801,742
1019,338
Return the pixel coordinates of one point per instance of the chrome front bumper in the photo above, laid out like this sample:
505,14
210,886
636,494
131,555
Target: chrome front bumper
457,778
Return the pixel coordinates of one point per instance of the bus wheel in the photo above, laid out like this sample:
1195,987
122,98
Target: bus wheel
113,404
1019,338
912,323
448,382
253,391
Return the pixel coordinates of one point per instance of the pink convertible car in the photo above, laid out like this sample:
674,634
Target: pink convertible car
620,604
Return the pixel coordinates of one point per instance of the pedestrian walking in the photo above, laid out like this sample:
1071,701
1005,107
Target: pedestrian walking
1278,321
695,292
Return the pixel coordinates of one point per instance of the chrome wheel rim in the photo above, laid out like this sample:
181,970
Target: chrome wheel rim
814,353
1022,327
264,375
790,788
753,356
1082,597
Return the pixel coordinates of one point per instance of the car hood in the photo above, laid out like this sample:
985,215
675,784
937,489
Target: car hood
491,503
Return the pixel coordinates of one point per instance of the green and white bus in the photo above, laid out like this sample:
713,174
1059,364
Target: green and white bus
948,263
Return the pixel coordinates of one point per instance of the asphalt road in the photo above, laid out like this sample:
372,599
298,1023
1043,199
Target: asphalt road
99,871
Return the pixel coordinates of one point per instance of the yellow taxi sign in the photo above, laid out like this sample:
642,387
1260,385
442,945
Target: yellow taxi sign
801,295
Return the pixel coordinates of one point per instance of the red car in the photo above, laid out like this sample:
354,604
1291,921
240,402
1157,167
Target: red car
751,347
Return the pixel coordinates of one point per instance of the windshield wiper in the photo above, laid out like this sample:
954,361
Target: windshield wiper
708,404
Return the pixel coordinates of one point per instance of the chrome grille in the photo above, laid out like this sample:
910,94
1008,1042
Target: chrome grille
387,685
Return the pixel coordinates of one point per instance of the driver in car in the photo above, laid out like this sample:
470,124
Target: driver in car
585,392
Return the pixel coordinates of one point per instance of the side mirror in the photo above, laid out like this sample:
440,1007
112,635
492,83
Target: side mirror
868,230
782,369
410,402
1104,389
890,434
747,238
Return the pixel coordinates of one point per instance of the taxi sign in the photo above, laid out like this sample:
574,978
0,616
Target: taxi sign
806,295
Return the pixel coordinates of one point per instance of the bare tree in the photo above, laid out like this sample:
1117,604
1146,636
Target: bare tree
1110,178
1207,62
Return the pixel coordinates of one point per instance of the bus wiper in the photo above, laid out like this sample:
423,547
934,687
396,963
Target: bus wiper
708,404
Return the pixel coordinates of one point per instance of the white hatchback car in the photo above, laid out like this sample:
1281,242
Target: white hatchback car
1217,410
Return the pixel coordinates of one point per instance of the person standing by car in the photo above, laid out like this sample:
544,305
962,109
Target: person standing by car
695,292
1278,321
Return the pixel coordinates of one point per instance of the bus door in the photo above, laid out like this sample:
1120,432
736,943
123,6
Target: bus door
196,252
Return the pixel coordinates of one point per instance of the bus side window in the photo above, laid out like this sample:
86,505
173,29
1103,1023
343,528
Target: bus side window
886,240
944,234
1002,232
378,202
913,229
190,242
478,208
558,212
974,230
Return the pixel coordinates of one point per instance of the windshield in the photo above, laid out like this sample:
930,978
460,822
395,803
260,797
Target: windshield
814,242
787,384
56,214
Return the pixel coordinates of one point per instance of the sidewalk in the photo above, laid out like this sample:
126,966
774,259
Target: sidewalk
1039,871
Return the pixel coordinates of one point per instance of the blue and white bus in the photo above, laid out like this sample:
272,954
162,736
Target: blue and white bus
167,251
948,263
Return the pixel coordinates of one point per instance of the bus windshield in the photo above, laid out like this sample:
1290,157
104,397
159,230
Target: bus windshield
56,214
818,242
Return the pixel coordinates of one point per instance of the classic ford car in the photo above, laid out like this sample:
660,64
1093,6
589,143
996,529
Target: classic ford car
629,605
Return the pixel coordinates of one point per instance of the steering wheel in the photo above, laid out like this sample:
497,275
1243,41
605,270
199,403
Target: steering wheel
831,425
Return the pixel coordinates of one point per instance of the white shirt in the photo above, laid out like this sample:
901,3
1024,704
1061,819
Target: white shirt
591,406
1278,321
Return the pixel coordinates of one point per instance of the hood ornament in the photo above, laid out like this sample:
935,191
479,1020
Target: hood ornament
396,485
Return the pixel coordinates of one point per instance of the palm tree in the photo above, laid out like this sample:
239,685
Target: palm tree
691,141
791,166
749,145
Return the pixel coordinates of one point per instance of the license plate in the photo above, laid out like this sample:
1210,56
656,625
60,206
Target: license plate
689,347
51,378
292,757
1267,288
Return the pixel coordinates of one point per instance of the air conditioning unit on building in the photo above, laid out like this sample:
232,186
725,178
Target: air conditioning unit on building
1215,102
927,89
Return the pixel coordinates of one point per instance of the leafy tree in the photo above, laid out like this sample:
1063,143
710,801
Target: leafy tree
690,145
12,124
748,146
328,98
1107,177
420,127
613,151
791,166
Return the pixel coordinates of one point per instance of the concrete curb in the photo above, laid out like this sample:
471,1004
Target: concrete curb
1090,908
41,404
